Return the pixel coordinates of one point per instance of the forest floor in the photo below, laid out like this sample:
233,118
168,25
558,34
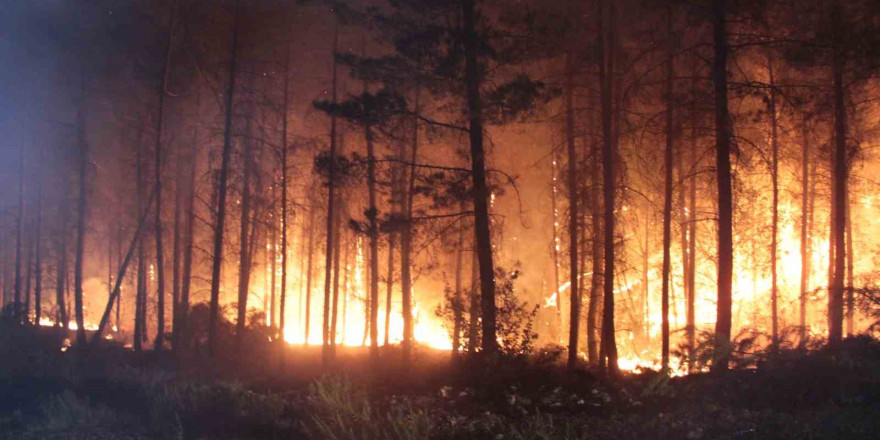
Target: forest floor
111,393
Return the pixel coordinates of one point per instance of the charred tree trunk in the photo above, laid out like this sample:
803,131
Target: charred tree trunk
38,263
373,232
690,263
667,190
140,291
331,201
284,183
573,217
309,271
457,301
839,180
406,243
337,239
850,303
774,233
61,318
553,206
473,81
189,236
609,185
221,190
244,261
82,205
805,238
19,238
160,254
596,280
725,194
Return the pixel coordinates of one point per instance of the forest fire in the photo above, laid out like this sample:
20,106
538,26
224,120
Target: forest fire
413,219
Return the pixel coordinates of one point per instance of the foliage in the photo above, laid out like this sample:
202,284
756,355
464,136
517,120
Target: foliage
342,411
514,318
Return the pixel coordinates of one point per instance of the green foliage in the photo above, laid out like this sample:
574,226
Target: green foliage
514,318
342,411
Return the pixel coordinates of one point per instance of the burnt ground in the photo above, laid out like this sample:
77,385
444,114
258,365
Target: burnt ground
109,392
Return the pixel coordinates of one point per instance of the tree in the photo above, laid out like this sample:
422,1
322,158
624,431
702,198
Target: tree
221,185
725,195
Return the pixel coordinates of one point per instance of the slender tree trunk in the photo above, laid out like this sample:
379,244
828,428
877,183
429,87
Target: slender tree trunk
690,280
457,301
474,309
19,238
160,254
29,273
140,292
189,237
373,231
667,190
331,202
850,325
114,292
839,179
473,81
725,195
61,318
337,238
309,270
284,184
597,268
556,244
573,217
774,234
244,261
82,205
221,196
805,243
175,256
609,153
406,243
38,288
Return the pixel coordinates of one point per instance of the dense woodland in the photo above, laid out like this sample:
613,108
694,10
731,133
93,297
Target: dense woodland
624,190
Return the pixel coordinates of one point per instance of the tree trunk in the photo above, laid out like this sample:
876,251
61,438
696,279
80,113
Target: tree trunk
725,195
667,190
82,205
175,255
61,318
474,308
189,236
473,81
406,243
839,181
244,261
284,182
609,185
140,291
38,263
337,238
373,231
805,243
457,301
221,190
308,313
690,263
19,238
597,269
331,201
850,303
556,244
573,217
160,254
774,234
